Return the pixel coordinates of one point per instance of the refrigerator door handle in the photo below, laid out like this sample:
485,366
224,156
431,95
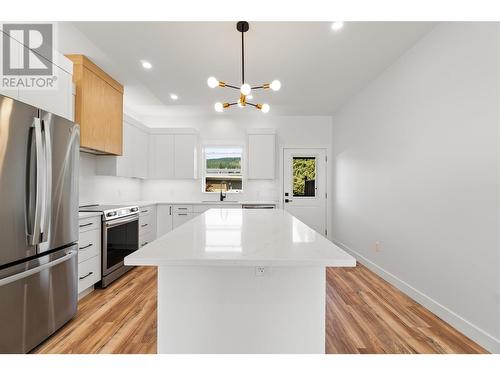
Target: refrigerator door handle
34,236
47,201
22,275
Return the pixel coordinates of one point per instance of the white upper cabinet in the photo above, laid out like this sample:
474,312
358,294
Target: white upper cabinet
185,155
261,154
173,155
161,156
134,161
59,99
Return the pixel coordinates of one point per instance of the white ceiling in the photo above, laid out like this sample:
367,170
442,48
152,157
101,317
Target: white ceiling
319,69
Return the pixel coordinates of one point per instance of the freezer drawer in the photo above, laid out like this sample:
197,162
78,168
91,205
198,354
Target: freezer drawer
38,297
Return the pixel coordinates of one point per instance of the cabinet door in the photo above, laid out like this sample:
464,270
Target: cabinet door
261,156
113,100
181,218
164,219
161,156
125,162
140,153
15,59
91,107
185,146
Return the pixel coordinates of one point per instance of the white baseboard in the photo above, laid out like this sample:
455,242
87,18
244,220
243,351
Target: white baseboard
470,330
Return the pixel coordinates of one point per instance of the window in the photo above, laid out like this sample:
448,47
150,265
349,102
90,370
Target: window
223,169
304,176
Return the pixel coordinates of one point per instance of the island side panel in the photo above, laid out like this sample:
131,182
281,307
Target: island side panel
232,310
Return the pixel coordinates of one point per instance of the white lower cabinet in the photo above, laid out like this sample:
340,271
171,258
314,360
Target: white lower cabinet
147,225
164,222
181,214
89,253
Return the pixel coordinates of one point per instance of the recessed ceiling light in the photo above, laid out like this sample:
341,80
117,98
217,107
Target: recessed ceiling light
146,64
337,25
174,96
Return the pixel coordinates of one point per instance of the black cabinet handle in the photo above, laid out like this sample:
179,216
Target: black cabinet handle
179,214
84,247
85,225
143,225
87,275
170,211
144,244
144,211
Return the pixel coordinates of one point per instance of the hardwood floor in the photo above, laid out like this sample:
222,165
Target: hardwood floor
364,314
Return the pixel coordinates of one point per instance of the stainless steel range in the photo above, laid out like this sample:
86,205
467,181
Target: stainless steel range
120,237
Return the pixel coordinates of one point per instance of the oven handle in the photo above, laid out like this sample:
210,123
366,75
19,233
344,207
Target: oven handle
114,223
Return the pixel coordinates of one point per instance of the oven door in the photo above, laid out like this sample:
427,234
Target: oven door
120,237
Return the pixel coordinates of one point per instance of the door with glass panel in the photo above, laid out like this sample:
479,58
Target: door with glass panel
304,186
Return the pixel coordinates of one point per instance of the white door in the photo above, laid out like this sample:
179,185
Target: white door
304,186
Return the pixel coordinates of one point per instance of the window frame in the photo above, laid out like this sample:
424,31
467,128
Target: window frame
223,145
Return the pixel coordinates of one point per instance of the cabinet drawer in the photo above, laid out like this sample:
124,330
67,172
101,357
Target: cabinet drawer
181,218
147,210
90,223
146,238
201,208
89,245
147,223
182,208
89,273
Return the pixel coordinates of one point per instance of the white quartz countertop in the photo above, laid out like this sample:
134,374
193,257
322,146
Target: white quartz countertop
85,215
237,237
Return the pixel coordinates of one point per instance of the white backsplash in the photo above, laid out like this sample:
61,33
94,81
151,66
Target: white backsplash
104,189
190,190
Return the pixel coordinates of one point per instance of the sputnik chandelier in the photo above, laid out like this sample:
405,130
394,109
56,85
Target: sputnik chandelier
245,89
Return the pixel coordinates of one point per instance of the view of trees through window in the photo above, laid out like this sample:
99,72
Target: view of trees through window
304,176
223,169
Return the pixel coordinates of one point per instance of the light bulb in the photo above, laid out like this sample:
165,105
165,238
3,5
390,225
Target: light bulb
265,108
245,89
212,82
337,25
146,64
275,85
219,107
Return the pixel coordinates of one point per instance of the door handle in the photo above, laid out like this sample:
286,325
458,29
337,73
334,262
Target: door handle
47,201
22,275
288,200
34,236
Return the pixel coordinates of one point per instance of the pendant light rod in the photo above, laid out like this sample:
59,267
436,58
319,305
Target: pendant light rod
242,57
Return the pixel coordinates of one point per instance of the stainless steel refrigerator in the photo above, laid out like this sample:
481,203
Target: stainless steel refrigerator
39,158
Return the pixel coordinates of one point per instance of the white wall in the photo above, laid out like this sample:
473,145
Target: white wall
227,129
104,189
417,168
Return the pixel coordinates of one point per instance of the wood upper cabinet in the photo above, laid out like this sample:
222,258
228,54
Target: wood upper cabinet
98,107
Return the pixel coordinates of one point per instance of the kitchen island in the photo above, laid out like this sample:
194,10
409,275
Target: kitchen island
241,281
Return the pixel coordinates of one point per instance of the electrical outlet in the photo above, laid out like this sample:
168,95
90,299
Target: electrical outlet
260,271
377,246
